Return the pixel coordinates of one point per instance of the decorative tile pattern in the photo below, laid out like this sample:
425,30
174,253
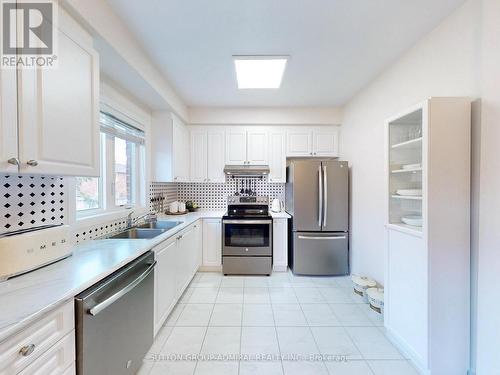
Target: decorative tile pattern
166,191
214,196
100,230
31,201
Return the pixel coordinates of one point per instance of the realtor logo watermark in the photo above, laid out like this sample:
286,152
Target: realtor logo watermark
28,33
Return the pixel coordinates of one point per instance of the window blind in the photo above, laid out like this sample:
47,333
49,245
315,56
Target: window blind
116,127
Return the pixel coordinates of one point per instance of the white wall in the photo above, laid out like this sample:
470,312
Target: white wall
266,116
488,321
444,63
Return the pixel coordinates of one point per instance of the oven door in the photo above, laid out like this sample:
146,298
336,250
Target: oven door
247,237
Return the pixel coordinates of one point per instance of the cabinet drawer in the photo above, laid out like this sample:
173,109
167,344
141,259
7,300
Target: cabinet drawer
56,360
43,334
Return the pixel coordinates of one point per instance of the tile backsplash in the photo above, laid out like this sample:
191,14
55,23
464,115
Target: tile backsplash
214,196
31,201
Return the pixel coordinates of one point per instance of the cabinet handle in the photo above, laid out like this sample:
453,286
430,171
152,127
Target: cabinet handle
27,350
32,163
310,153
14,161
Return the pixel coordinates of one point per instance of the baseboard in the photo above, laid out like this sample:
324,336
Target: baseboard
277,268
407,351
210,269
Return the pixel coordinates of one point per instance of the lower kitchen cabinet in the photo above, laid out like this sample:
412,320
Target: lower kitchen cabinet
280,245
165,285
212,243
178,259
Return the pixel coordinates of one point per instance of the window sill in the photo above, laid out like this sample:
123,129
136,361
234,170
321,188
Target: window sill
107,216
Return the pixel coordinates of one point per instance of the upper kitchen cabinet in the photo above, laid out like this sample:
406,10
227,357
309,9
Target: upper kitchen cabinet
277,156
236,146
246,146
321,141
169,148
57,109
8,121
257,146
207,154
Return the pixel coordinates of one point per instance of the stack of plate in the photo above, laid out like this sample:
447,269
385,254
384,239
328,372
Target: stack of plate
415,220
409,192
411,166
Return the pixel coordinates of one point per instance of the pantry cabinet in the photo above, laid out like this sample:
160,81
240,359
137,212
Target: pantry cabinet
428,241
58,109
246,146
212,243
277,156
207,154
170,149
320,141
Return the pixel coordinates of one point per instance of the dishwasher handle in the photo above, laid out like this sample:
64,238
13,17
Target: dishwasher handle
115,297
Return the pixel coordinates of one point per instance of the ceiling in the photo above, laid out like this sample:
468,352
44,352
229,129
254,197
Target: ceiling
335,46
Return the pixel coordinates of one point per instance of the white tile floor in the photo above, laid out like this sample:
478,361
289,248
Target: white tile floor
260,318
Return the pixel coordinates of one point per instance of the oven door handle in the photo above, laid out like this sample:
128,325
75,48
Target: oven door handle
107,302
247,221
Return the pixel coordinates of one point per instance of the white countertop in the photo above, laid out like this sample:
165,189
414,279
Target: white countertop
25,298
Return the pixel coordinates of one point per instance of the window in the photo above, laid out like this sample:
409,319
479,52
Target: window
122,170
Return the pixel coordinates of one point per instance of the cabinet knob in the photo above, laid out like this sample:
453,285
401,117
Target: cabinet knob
27,350
310,153
14,161
32,163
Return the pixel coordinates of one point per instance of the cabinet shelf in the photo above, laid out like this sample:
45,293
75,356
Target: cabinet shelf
410,197
405,228
407,170
412,143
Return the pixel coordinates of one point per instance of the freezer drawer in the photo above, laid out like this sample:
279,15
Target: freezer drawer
246,265
320,253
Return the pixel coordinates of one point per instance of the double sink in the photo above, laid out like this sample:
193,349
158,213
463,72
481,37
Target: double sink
146,231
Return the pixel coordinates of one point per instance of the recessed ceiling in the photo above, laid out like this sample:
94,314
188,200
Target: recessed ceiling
335,47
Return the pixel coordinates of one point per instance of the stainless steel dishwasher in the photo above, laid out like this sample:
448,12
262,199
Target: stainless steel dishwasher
114,320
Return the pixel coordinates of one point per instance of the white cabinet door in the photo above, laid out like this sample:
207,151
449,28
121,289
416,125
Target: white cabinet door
186,258
257,142
215,155
236,146
212,242
8,120
198,241
277,156
58,116
199,162
325,142
299,142
280,245
180,154
165,291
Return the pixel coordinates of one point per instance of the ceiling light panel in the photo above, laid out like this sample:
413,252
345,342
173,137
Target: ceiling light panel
259,72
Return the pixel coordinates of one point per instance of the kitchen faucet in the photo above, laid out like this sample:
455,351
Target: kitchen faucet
150,217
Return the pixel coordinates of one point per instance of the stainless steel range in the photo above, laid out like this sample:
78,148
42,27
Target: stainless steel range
247,236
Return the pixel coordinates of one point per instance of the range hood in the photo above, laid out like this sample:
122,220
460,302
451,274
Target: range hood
246,170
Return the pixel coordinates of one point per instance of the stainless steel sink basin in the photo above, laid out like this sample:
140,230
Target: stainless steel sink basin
160,224
138,233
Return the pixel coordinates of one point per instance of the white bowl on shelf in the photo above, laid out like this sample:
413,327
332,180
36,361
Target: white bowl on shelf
414,220
409,192
411,166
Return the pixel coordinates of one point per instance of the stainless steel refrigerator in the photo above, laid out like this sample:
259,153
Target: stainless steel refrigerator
317,197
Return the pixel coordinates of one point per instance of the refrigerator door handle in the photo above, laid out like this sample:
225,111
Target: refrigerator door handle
322,238
325,203
320,196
